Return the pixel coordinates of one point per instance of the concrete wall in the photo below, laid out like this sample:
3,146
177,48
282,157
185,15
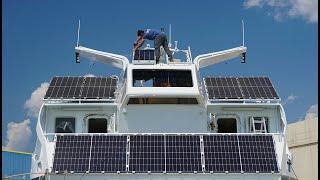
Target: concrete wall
302,138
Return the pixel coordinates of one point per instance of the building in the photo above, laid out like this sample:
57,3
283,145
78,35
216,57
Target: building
302,139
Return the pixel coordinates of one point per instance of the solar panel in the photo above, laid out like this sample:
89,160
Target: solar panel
81,88
165,153
72,153
223,88
183,154
240,88
108,154
257,153
147,153
221,153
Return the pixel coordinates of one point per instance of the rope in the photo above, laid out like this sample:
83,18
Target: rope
294,172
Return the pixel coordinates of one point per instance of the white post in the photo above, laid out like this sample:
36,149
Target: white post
169,36
242,33
78,34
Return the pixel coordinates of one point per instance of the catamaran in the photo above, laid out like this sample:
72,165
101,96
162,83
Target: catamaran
161,121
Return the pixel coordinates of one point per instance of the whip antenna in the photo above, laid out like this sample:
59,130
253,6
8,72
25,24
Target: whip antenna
78,34
242,33
169,35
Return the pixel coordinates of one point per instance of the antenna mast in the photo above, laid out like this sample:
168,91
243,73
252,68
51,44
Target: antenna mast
169,35
78,34
242,33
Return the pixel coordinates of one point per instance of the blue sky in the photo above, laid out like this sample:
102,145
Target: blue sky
39,39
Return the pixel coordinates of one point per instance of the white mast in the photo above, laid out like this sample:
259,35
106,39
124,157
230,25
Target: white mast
169,35
78,34
242,33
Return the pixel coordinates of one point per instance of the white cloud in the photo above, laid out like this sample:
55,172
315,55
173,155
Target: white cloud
252,3
308,9
89,75
18,135
312,112
282,9
33,104
290,99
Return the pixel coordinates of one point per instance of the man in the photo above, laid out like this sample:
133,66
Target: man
160,39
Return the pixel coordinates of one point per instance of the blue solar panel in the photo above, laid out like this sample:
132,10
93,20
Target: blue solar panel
165,153
72,153
108,154
147,153
183,154
221,153
81,88
257,153
240,88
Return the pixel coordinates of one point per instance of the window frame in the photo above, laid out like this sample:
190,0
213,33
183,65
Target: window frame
96,116
65,117
188,83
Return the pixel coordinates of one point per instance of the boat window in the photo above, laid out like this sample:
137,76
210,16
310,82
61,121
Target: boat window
261,124
97,125
163,101
65,125
227,125
161,78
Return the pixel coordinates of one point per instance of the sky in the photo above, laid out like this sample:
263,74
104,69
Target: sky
39,36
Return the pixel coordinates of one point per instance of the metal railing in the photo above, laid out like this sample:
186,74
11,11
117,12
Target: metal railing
15,164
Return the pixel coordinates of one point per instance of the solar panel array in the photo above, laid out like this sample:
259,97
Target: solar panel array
81,88
240,88
215,153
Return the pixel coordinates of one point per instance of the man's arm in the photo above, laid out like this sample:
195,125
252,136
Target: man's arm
139,42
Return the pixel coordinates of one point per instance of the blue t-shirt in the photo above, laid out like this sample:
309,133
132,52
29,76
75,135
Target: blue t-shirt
151,34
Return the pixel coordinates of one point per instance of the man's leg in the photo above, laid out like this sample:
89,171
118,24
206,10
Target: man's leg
157,44
166,48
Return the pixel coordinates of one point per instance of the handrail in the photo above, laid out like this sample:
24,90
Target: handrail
18,152
119,134
22,174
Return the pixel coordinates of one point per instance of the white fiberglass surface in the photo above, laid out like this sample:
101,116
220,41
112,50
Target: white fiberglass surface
163,119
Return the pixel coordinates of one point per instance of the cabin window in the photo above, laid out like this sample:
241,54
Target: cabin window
97,125
227,125
161,78
261,124
65,125
163,101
